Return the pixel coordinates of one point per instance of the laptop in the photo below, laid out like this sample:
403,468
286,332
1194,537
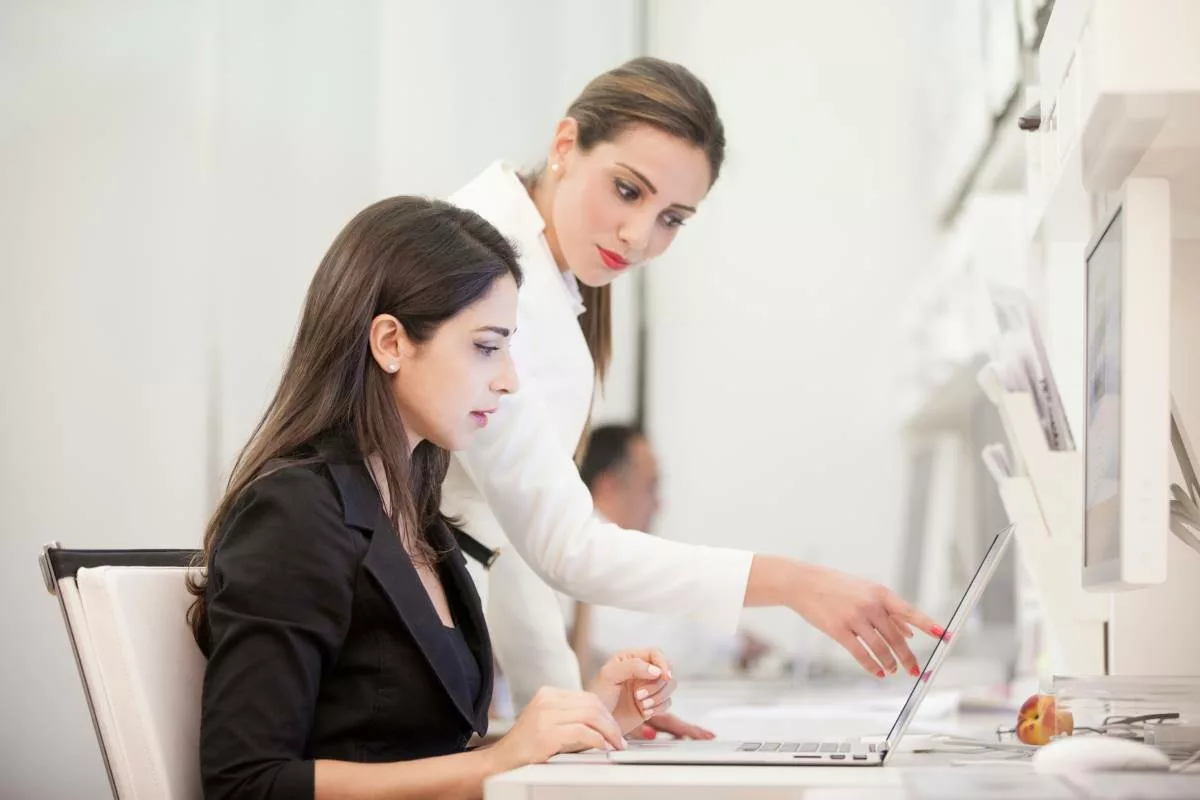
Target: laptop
835,752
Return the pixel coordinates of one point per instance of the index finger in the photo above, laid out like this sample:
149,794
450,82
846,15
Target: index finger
906,613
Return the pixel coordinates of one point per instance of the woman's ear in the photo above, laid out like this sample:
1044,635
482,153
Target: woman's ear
566,134
390,345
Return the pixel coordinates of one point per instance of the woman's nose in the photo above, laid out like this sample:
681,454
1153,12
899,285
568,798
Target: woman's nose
507,381
635,233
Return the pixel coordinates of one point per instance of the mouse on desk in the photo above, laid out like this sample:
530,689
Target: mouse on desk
1072,754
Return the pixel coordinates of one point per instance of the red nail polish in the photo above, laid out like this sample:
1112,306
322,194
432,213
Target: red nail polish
914,672
939,631
878,673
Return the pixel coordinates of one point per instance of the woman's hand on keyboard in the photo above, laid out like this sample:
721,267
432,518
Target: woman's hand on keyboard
557,721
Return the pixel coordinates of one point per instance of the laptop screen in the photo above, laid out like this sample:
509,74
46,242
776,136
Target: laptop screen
965,605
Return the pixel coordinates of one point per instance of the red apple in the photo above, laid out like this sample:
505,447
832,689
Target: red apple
1039,719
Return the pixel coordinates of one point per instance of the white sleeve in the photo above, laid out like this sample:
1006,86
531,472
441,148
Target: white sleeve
528,633
535,492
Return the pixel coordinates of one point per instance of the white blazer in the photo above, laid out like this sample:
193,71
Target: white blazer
518,483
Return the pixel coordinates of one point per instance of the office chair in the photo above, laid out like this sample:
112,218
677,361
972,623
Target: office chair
141,669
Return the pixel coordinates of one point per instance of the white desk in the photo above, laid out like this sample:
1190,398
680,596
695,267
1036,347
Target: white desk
628,782
789,714
930,771
761,712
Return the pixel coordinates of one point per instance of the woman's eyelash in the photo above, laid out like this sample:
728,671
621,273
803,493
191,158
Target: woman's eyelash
626,190
486,349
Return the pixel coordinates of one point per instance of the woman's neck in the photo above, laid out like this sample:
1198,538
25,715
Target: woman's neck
542,194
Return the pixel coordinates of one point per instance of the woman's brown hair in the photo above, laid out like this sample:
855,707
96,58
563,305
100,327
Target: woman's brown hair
422,261
644,91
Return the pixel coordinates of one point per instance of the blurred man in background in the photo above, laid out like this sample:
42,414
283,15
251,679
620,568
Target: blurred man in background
621,472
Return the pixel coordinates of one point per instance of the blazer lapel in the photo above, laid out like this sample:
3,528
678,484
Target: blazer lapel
393,570
474,628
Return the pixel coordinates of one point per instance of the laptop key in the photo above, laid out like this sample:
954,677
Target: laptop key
844,747
809,747
749,747
789,747
829,747
770,747
871,747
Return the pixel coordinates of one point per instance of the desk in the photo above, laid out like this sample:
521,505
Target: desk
928,771
628,782
771,711
717,707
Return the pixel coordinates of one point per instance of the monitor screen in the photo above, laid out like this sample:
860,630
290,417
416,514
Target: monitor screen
1102,463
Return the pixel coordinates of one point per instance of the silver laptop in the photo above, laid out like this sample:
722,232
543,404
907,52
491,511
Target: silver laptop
837,752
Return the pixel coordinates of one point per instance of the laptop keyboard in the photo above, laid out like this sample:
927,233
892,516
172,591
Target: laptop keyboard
815,748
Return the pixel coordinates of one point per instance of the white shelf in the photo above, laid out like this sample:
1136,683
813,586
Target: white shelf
1119,82
1057,476
1074,619
1046,504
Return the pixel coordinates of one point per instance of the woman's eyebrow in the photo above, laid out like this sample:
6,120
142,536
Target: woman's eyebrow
651,186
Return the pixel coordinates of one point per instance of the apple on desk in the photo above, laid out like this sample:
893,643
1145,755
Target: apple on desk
1039,720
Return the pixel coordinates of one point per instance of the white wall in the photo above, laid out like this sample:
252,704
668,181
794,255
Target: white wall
172,174
504,72
295,156
103,125
775,317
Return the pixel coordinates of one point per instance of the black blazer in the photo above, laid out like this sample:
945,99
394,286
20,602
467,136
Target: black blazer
322,642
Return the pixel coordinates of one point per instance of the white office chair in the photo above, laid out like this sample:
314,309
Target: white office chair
140,667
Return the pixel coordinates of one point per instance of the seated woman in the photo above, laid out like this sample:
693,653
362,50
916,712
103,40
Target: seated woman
347,651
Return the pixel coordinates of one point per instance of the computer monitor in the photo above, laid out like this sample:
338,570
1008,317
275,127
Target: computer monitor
1127,432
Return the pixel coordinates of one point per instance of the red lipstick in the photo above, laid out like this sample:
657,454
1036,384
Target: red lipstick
611,260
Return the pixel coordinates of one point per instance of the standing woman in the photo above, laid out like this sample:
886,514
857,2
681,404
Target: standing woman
626,168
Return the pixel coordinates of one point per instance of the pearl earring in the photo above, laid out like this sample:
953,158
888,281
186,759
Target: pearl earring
554,167
393,367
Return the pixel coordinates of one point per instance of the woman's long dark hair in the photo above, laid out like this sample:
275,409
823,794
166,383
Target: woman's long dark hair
422,261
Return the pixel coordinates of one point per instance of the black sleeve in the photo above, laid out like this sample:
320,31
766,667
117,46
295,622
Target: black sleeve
281,588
